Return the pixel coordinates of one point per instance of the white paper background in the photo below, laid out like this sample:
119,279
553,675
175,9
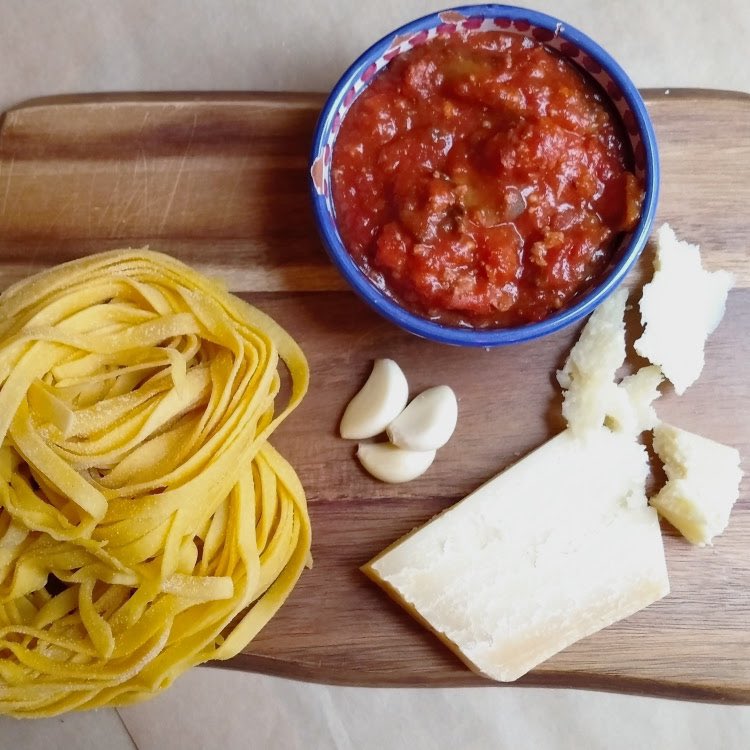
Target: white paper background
53,46
64,46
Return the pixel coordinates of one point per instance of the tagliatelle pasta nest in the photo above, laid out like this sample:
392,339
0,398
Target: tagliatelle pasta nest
146,524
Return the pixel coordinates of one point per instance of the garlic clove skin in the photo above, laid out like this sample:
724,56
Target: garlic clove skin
428,421
381,399
393,465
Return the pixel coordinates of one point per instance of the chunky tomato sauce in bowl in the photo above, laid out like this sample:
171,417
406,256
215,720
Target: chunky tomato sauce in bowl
484,175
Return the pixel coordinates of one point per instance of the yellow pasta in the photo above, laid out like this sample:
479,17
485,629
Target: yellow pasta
146,524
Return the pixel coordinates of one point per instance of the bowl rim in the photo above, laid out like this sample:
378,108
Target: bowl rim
488,337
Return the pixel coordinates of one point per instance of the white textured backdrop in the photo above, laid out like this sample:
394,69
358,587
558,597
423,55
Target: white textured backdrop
54,46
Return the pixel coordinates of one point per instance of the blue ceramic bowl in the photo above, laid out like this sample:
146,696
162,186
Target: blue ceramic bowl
569,42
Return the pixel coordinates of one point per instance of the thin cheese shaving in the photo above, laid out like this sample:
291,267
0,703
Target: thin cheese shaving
146,524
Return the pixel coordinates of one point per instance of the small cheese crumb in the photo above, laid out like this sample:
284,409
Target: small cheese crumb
589,372
680,307
703,483
632,410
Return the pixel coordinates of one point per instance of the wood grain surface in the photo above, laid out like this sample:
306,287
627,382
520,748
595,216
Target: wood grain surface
219,181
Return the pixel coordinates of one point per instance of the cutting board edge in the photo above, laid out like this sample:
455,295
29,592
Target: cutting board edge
191,96
287,97
666,689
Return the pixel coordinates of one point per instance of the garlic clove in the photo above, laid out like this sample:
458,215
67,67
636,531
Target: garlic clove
381,399
428,421
394,465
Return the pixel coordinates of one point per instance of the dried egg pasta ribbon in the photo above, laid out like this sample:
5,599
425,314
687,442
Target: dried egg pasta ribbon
146,524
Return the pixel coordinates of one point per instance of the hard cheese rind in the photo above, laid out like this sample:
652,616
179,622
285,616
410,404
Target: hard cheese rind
557,547
680,307
703,483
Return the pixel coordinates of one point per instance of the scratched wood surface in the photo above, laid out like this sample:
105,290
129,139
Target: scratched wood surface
220,181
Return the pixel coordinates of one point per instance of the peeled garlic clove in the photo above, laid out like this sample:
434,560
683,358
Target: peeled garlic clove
382,398
390,464
428,421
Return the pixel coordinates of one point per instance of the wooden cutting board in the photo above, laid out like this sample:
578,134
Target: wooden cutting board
219,181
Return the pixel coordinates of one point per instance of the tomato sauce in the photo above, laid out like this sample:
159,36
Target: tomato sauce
481,180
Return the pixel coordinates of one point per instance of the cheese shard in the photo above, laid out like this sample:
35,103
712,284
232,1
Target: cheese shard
632,412
703,483
555,548
680,307
589,372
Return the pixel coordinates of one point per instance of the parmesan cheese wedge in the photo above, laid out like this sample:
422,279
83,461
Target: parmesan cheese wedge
680,307
703,483
589,372
557,547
